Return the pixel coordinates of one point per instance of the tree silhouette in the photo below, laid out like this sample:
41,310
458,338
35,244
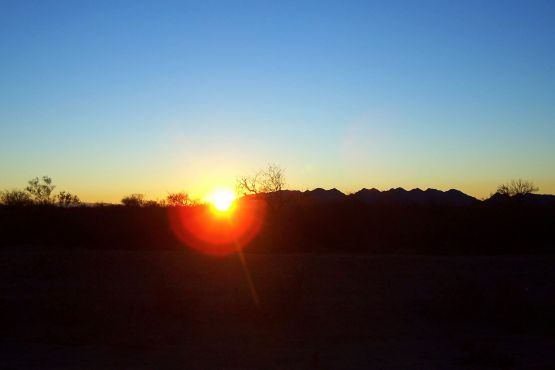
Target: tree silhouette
180,199
269,180
41,190
517,187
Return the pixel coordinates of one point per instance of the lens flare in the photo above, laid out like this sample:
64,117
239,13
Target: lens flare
221,228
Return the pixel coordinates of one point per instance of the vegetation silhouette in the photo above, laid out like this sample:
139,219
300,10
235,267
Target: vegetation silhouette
15,198
41,190
517,187
133,200
38,192
267,183
66,199
269,180
180,199
318,221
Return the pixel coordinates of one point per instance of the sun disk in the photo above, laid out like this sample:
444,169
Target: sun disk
222,199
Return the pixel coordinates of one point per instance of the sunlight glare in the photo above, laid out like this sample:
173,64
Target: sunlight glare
222,199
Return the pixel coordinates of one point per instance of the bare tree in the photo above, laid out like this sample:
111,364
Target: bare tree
247,184
269,180
273,179
517,187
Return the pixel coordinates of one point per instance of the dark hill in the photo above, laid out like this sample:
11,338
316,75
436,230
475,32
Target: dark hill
397,196
528,199
400,196
323,195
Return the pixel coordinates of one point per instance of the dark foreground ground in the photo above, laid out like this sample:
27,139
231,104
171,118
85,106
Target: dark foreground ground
88,309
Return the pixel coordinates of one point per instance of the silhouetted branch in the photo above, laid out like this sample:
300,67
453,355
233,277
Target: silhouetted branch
266,181
180,199
517,187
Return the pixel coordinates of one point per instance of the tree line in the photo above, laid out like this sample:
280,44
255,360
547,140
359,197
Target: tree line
347,225
40,191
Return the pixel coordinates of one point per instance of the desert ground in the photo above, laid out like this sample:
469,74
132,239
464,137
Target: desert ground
114,309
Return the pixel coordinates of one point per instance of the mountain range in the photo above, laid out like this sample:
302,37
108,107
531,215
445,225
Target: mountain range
400,196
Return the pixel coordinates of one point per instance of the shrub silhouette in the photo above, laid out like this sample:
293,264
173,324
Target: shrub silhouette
15,198
153,203
38,192
133,200
517,187
180,199
66,199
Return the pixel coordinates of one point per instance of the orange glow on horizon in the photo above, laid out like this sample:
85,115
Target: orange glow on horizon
224,226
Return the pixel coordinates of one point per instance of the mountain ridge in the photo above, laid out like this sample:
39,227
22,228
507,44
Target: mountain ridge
401,196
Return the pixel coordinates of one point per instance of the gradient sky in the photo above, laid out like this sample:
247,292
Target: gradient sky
118,97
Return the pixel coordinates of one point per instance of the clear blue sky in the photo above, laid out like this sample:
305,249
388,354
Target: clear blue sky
116,97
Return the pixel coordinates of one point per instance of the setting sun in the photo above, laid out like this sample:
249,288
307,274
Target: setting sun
222,199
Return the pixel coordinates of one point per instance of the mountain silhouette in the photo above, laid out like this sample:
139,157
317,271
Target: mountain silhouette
400,196
396,196
324,195
318,195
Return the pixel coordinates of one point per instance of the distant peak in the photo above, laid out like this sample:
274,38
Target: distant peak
397,189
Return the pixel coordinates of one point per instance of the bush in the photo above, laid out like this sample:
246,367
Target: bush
133,200
180,199
15,198
66,199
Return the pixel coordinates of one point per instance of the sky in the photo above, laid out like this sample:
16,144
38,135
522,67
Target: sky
116,97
